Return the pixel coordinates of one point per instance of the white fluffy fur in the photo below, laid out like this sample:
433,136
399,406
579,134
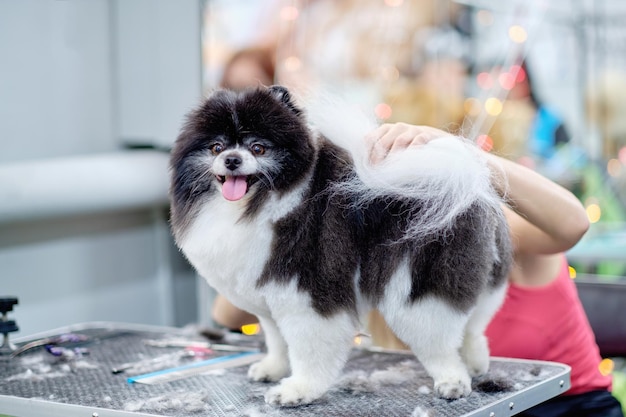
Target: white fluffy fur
217,232
315,362
437,343
448,174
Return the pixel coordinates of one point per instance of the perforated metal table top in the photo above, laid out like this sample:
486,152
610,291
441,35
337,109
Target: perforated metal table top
374,383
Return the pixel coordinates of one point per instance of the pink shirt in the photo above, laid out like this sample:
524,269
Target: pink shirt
548,323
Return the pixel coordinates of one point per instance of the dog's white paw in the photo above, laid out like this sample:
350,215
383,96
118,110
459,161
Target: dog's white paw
477,366
452,390
269,369
475,354
292,392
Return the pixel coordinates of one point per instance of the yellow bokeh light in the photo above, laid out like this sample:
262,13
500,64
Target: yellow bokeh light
472,106
493,106
594,212
518,34
572,272
606,366
250,329
614,167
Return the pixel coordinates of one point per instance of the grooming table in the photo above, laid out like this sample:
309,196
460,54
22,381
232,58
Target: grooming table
374,382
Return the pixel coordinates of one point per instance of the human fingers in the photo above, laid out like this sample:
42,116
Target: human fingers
387,137
377,146
373,136
398,136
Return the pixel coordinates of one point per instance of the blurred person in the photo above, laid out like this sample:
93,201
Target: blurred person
527,130
548,130
249,67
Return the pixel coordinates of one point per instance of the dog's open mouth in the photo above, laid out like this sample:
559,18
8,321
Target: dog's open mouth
235,187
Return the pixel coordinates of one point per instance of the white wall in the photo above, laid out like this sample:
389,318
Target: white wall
65,96
55,79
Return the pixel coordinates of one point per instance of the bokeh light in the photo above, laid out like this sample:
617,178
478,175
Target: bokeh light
518,72
614,167
493,106
485,142
518,34
394,3
594,212
606,366
472,106
383,111
506,80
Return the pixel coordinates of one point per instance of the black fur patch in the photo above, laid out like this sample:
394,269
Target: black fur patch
493,385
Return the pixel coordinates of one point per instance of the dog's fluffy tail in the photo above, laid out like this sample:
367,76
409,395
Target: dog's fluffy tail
447,176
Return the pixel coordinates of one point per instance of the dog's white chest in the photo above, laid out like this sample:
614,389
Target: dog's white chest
230,253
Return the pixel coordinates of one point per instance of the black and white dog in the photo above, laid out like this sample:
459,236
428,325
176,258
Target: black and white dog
298,228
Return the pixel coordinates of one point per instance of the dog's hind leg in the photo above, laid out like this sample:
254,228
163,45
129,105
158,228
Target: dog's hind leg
475,349
275,365
318,349
434,331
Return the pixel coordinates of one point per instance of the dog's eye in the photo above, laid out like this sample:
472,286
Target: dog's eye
217,148
257,149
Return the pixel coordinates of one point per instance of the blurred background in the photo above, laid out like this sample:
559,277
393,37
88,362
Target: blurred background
93,93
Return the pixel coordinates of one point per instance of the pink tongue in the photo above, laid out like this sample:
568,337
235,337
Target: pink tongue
234,188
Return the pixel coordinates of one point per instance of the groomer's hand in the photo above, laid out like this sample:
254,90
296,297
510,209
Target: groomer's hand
391,137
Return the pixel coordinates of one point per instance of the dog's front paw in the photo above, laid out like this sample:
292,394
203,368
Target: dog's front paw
269,369
292,392
453,390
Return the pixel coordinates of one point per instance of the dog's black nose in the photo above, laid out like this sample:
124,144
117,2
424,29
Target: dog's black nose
232,162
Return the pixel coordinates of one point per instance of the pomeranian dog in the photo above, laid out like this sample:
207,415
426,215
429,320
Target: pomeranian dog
291,222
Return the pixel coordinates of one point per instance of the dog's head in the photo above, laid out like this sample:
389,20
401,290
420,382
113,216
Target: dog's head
240,144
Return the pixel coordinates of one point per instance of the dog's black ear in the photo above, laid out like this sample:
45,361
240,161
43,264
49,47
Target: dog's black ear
282,94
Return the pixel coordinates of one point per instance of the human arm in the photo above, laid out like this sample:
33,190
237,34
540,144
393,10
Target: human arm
545,218
226,314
